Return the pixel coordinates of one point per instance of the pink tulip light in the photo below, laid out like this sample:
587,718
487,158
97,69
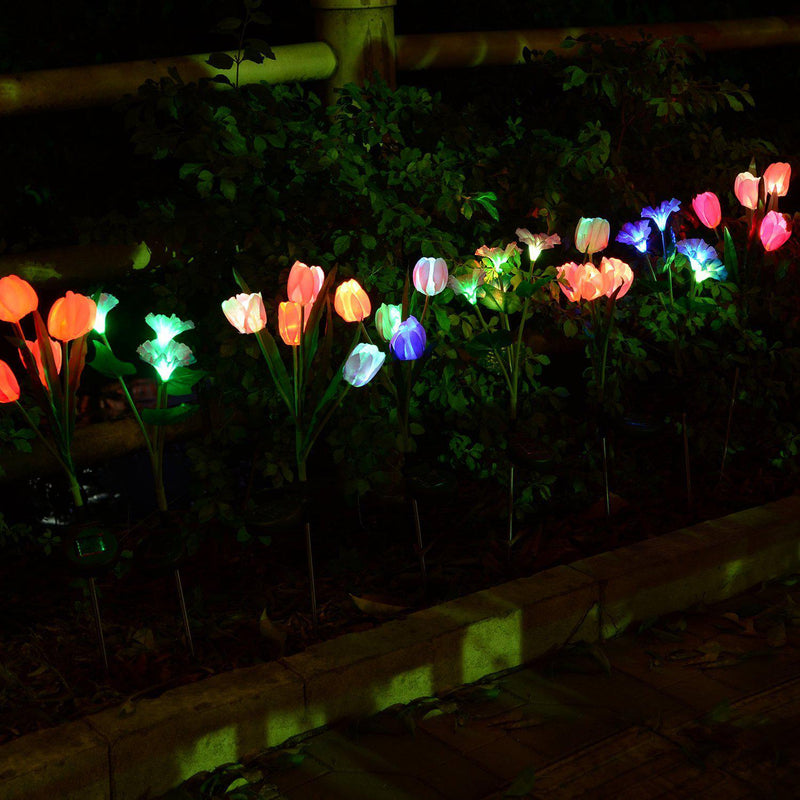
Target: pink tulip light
430,276
777,177
746,189
304,283
707,208
775,230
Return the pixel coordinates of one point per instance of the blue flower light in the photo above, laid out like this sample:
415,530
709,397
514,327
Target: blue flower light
659,214
408,342
702,259
635,234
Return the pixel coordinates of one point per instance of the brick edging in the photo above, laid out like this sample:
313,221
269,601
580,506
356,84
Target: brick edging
125,755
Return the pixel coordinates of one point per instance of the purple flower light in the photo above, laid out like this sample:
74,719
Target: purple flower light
409,340
660,213
635,234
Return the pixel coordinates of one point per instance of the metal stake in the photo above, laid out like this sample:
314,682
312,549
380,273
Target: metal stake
605,477
730,420
418,527
98,623
312,584
185,616
510,507
687,463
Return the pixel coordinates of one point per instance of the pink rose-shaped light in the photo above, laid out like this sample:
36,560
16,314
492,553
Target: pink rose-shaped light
430,276
775,230
777,177
304,283
580,281
615,274
245,312
707,208
745,188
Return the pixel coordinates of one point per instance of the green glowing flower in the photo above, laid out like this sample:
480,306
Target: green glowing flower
498,260
467,284
105,302
167,328
167,358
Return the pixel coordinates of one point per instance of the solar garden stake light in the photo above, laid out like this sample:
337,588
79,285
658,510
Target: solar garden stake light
585,282
499,284
730,421
171,360
299,320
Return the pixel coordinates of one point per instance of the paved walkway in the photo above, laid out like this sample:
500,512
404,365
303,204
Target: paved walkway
701,704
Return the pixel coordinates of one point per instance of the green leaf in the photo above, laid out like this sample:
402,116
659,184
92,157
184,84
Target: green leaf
341,244
731,259
183,379
228,189
570,329
220,61
228,24
488,341
528,288
168,416
106,363
497,300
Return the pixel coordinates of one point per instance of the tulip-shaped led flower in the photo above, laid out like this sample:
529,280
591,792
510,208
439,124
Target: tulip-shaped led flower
105,302
37,357
776,178
702,259
537,242
9,388
409,341
660,214
707,208
17,298
71,317
351,302
591,235
430,276
167,328
775,230
245,312
304,283
745,187
362,364
290,323
387,320
166,359
635,234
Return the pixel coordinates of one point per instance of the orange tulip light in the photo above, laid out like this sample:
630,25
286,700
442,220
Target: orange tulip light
33,347
707,208
304,283
9,388
352,302
745,188
775,230
71,317
17,298
776,178
290,322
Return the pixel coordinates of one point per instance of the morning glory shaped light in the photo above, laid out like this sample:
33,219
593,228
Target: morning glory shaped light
104,304
661,213
167,328
635,234
166,359
702,259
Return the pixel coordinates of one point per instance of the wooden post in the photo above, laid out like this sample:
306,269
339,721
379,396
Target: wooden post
361,35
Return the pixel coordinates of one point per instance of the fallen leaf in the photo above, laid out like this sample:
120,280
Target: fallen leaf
374,607
271,633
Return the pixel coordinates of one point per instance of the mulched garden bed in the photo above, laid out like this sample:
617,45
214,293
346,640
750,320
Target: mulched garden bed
249,603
